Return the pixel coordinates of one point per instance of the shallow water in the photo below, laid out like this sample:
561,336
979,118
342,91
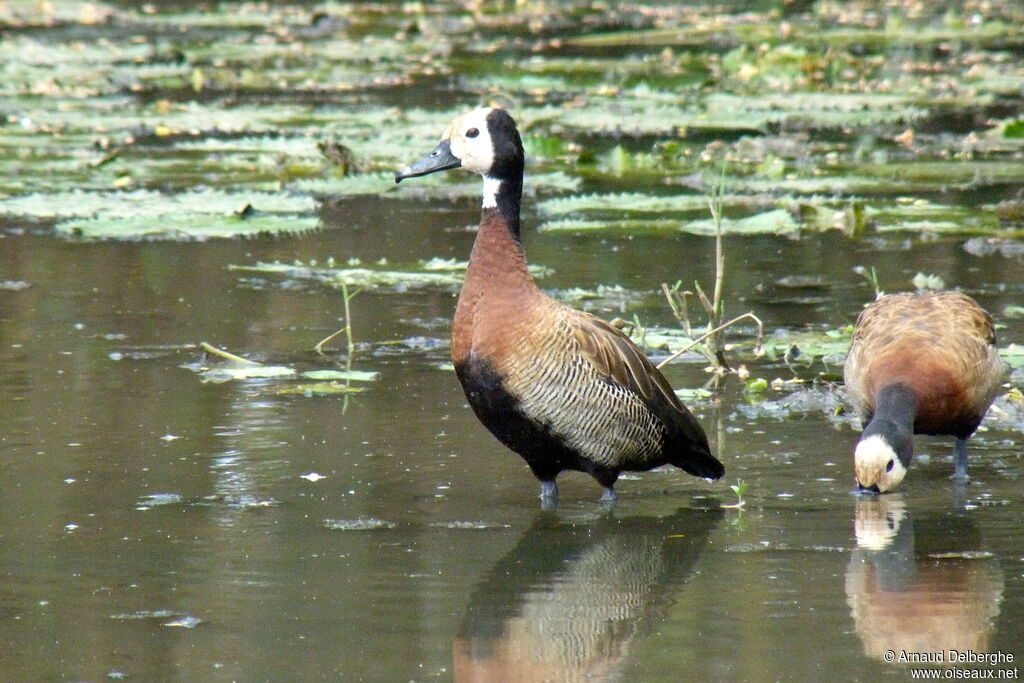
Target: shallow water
161,527
158,527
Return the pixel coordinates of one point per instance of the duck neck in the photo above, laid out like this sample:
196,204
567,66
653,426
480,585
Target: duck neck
897,403
504,194
893,419
497,258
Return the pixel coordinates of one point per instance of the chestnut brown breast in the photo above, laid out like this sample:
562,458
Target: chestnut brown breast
581,388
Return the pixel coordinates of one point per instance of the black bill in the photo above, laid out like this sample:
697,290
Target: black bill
441,159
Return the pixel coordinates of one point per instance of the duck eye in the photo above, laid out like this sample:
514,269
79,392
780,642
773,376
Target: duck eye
889,465
472,133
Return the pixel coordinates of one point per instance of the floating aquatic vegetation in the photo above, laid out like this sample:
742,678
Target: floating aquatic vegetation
360,277
235,98
775,222
433,186
310,389
631,225
633,202
338,375
146,214
14,285
778,401
817,110
158,499
151,204
219,366
1013,355
187,227
432,273
805,347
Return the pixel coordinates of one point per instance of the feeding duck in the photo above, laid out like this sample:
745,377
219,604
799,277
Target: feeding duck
562,388
920,363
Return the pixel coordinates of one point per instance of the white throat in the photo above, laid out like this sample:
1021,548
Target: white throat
492,186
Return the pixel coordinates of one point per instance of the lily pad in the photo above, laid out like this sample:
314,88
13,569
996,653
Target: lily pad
151,204
776,222
310,389
624,201
341,375
433,273
229,372
187,227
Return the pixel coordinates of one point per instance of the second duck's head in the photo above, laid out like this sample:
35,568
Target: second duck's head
485,141
882,456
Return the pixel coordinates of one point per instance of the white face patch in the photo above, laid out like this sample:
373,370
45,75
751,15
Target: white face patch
875,463
471,142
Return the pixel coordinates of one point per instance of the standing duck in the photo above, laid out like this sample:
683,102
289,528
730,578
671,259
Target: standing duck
921,363
563,388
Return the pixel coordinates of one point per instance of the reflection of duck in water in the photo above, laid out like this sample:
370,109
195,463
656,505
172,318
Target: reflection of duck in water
568,601
923,592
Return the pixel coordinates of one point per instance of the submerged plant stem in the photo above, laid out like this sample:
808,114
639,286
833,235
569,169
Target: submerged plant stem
350,345
347,329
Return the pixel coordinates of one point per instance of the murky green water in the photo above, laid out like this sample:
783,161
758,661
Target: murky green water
157,527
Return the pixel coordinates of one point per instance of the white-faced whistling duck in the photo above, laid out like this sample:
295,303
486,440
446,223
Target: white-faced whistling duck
920,363
564,389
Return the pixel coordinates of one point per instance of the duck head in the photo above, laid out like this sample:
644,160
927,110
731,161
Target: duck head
485,141
882,456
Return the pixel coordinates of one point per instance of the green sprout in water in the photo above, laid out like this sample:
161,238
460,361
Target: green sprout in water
350,346
711,344
739,488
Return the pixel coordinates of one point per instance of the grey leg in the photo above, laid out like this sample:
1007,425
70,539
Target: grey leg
609,496
960,460
548,495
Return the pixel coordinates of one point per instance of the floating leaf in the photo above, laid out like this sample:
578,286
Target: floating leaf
187,227
1013,129
227,373
333,375
1013,355
436,273
624,201
150,204
316,389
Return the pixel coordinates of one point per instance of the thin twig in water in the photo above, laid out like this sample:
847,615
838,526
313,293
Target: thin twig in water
221,353
698,340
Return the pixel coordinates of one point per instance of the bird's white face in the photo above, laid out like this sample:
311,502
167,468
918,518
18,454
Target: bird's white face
876,464
470,140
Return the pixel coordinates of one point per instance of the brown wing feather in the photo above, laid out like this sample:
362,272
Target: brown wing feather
612,353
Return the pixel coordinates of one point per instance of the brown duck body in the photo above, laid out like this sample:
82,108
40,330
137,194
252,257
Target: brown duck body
940,345
561,387
921,363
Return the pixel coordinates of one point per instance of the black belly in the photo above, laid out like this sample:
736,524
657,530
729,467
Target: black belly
500,411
